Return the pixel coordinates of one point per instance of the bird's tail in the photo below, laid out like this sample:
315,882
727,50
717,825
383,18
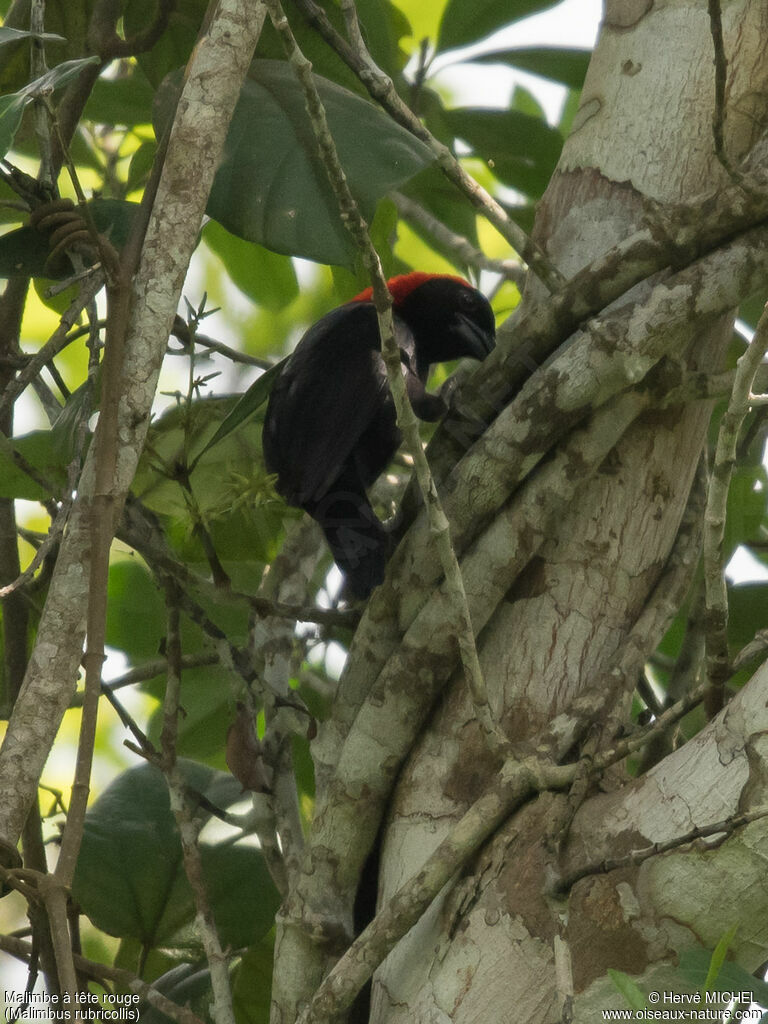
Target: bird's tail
359,543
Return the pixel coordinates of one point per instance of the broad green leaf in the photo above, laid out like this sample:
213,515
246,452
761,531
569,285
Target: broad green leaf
748,612
382,26
66,29
242,894
751,309
746,510
205,695
25,251
146,896
252,988
522,151
695,966
718,957
173,48
266,277
559,64
249,403
437,195
272,188
464,23
136,611
40,450
126,100
12,106
141,165
12,35
628,988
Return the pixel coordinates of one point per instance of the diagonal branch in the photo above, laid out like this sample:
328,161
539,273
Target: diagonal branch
382,89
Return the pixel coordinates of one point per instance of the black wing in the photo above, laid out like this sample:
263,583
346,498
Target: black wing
330,394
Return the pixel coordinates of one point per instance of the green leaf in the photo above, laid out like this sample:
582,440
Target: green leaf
252,987
264,276
746,510
40,450
440,197
278,194
135,620
126,100
241,891
173,48
205,696
146,896
12,106
747,612
521,150
559,64
11,35
695,965
25,251
718,957
464,23
628,988
248,404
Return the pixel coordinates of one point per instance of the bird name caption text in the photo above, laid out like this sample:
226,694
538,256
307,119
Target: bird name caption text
42,1006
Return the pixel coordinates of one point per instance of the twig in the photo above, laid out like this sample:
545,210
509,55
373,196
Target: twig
726,828
62,336
382,89
716,591
181,331
462,248
273,642
149,670
754,649
406,419
223,1011
50,541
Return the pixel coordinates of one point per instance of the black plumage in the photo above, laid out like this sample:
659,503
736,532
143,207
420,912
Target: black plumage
330,426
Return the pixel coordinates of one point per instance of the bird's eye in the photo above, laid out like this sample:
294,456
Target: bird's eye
466,300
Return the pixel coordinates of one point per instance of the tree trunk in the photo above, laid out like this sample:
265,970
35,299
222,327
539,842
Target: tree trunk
493,947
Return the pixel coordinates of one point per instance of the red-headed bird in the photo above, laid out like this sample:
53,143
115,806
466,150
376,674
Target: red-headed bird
330,426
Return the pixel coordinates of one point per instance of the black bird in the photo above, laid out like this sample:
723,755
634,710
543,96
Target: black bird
330,428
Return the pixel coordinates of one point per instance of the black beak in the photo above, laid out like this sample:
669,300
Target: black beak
479,342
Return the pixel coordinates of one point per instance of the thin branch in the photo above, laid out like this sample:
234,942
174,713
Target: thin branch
62,336
635,858
218,962
716,591
181,331
149,670
462,249
382,89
